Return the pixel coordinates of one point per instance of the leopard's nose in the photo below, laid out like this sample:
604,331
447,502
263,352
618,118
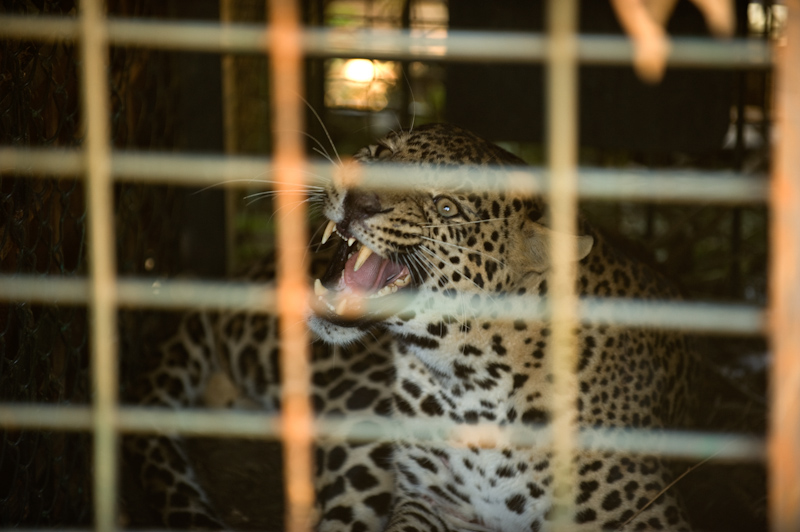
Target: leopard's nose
359,204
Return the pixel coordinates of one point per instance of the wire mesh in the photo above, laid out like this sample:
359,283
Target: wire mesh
44,478
43,348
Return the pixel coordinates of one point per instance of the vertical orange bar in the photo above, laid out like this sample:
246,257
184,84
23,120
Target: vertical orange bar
562,130
784,445
297,428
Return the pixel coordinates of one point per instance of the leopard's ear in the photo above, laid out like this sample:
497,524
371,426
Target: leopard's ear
538,239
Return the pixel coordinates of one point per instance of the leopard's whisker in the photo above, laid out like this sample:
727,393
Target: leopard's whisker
419,265
325,129
260,197
323,153
260,181
271,193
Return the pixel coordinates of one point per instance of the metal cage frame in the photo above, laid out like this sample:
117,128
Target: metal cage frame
288,43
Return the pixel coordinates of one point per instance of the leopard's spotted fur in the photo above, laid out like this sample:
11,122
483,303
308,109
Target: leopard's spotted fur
473,247
456,245
231,360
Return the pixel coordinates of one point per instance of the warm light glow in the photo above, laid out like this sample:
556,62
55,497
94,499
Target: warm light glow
756,17
360,83
359,70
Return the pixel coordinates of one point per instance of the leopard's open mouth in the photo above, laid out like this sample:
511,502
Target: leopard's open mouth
356,274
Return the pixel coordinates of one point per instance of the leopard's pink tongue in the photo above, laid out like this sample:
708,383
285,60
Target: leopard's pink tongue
374,274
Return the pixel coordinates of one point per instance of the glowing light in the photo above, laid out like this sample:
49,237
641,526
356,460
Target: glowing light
359,70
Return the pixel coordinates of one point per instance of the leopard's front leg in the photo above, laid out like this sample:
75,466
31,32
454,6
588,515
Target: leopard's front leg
410,515
355,481
180,370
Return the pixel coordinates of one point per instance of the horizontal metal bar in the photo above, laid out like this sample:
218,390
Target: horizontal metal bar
695,317
455,45
671,186
686,316
48,290
679,186
201,170
189,422
177,294
189,35
62,529
672,443
240,296
40,28
143,293
660,185
232,423
21,416
686,52
59,162
143,167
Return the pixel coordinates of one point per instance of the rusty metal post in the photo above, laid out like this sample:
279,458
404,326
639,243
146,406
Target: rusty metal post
784,444
297,422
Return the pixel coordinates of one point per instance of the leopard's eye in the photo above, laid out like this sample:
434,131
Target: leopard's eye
446,207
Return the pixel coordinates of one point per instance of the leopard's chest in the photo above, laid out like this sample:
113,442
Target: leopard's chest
494,489
475,478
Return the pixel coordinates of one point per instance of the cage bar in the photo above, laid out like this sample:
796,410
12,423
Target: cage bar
102,266
143,420
784,445
458,45
727,318
661,185
286,41
562,149
296,420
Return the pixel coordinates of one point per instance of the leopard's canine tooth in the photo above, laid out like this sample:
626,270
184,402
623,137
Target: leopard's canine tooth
328,231
319,289
363,255
341,307
350,241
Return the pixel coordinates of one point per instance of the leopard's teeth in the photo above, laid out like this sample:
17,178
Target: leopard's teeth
392,287
385,291
363,255
350,241
319,290
328,231
403,280
325,302
341,307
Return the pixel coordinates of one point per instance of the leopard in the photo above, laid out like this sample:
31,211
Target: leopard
468,246
230,360
433,244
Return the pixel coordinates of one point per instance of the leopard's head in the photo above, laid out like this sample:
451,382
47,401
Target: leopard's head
437,241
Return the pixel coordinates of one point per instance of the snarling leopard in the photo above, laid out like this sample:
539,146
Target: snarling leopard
459,245
465,247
